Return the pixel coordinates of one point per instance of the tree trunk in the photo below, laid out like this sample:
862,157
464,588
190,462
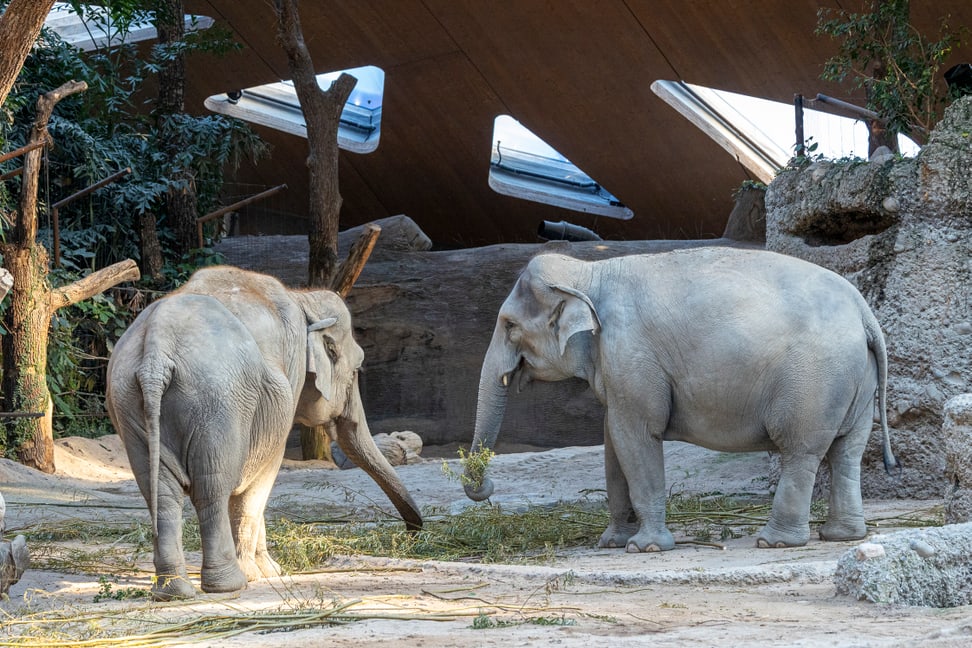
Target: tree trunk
151,248
32,304
27,321
20,25
180,203
322,114
895,24
171,28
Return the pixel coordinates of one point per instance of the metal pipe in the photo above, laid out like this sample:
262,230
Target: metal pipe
564,231
863,113
801,143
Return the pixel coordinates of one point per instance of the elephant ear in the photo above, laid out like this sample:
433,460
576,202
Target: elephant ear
319,361
576,314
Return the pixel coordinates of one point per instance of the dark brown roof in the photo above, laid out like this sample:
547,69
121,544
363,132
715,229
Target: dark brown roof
575,72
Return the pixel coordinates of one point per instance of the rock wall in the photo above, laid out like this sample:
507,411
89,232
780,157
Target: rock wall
425,319
900,230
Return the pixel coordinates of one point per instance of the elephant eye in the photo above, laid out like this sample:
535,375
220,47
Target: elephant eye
331,348
513,332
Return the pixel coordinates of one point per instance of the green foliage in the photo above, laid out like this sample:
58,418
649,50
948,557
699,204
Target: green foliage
474,466
107,591
81,337
881,52
95,134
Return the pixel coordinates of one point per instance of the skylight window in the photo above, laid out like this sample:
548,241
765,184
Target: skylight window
760,133
275,105
524,166
96,30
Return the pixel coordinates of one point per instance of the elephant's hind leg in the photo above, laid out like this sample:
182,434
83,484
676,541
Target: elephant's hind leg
250,529
789,522
220,569
171,580
845,516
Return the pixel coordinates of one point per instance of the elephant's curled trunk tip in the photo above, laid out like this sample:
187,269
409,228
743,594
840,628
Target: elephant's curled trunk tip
482,493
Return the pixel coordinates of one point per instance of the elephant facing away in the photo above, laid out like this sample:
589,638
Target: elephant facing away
733,350
203,389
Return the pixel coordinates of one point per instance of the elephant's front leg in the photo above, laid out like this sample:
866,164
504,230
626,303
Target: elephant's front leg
642,462
624,521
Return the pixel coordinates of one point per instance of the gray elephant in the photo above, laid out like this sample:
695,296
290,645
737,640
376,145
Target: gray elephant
733,350
203,389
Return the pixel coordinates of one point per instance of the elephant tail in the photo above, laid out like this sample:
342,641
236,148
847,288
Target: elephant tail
154,376
875,342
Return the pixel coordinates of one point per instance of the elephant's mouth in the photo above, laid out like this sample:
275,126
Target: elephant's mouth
518,377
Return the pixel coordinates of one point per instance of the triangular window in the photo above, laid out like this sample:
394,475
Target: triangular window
760,133
275,105
524,166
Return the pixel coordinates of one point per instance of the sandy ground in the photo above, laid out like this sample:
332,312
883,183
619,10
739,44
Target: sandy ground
691,596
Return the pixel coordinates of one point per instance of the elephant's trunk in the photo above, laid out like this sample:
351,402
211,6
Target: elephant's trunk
498,367
354,438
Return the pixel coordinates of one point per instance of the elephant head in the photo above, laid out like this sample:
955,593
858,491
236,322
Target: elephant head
330,394
543,332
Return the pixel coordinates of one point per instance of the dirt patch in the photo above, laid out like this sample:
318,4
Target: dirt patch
694,595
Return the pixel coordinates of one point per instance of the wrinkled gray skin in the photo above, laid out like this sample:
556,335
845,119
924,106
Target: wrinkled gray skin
203,389
732,350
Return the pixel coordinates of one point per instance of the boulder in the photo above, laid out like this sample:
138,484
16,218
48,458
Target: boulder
930,567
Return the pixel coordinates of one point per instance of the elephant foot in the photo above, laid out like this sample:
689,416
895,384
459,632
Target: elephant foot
616,536
650,542
837,532
261,566
171,588
772,538
217,580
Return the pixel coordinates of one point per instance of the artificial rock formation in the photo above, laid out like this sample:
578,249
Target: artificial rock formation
931,567
14,557
399,448
901,231
424,319
958,459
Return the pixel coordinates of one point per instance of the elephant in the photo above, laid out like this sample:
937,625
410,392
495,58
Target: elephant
203,389
735,350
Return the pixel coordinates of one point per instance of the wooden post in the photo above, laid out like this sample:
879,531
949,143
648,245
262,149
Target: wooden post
349,271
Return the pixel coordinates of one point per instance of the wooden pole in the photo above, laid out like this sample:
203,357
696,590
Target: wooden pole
55,209
23,149
237,205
